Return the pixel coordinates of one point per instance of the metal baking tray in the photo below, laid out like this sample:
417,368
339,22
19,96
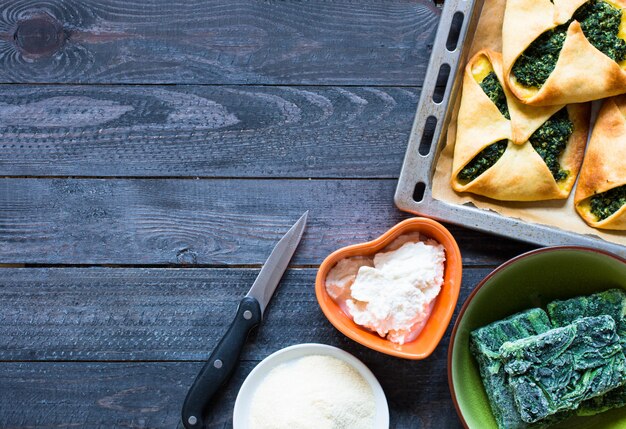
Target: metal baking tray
428,137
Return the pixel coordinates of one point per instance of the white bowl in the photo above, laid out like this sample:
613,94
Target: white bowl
241,415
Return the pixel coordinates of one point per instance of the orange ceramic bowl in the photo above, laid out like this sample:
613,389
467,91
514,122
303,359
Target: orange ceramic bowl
445,303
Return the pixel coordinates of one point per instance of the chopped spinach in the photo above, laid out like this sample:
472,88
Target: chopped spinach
492,87
550,140
533,67
605,204
600,24
483,161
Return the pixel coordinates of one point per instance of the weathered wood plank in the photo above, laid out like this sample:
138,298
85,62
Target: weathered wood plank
96,221
138,304
91,314
214,131
150,395
377,42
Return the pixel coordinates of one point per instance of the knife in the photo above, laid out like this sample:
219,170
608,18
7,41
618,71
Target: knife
224,358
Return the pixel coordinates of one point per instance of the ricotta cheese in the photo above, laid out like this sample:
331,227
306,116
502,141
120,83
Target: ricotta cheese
385,304
392,294
341,277
420,264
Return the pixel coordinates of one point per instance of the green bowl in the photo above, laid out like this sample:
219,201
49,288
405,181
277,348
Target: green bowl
530,280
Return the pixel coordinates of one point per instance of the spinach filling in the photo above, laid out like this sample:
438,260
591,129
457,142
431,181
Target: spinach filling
489,155
605,204
491,85
550,140
481,162
600,24
536,63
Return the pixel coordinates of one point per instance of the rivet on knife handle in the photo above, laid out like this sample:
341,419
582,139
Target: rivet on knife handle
221,364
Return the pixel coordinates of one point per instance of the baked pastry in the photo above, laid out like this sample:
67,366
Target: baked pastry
600,196
565,51
534,155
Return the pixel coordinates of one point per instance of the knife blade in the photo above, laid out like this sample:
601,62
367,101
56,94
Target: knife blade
224,358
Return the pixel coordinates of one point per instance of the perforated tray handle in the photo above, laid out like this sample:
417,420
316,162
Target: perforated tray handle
458,19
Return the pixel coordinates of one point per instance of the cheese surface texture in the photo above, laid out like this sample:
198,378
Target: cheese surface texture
313,392
393,293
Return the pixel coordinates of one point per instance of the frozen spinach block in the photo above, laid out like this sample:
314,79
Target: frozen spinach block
485,345
611,302
558,369
616,398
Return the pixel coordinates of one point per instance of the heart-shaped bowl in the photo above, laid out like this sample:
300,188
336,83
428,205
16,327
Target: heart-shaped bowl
444,305
530,280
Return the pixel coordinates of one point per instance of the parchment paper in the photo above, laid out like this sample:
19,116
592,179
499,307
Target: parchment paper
558,213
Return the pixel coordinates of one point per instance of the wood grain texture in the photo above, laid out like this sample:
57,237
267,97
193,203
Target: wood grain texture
209,131
110,347
364,42
225,221
99,314
150,395
168,316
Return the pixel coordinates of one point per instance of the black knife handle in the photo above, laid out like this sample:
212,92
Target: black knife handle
221,364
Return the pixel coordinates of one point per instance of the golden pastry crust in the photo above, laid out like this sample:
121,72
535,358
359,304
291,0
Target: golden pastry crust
582,73
604,167
572,157
520,174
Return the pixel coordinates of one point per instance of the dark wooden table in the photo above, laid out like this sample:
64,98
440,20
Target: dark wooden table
152,152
